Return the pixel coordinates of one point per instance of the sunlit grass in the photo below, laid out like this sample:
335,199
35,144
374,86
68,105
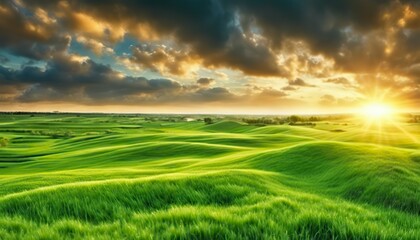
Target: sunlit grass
383,118
111,179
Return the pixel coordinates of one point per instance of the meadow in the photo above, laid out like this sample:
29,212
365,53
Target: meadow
68,176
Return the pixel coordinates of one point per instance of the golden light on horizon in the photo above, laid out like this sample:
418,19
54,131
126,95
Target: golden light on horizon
382,117
377,110
376,115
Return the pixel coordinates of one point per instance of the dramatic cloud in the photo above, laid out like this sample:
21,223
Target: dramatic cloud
4,59
289,88
205,82
161,59
216,94
340,80
94,45
149,52
34,36
299,82
71,78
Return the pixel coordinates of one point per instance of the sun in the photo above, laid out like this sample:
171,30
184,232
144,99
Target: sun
377,110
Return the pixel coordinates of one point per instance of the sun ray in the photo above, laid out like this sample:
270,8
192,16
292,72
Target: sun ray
377,118
399,127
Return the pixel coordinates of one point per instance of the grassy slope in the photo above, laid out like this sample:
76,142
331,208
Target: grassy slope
111,177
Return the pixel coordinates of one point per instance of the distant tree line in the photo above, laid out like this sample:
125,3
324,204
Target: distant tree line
292,120
208,120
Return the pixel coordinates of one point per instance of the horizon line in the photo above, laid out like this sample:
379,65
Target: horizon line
186,113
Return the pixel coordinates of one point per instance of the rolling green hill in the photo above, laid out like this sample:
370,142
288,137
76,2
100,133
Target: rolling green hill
113,177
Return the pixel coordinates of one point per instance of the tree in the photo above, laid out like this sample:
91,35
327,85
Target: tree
294,119
208,120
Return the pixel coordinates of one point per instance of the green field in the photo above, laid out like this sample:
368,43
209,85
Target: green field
126,177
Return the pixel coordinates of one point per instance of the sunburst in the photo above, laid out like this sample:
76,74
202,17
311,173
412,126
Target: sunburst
382,118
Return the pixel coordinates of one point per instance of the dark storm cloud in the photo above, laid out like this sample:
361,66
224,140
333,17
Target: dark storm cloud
356,36
129,90
73,80
220,35
205,82
352,32
161,59
85,81
220,31
4,59
9,85
28,35
217,94
208,27
66,79
320,23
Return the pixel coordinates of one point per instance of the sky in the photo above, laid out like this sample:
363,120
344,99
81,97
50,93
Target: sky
209,56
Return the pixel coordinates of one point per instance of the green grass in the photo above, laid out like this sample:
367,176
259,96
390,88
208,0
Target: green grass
112,177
